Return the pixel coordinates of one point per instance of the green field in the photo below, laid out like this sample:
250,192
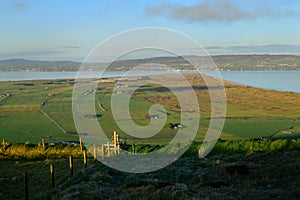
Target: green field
43,109
21,116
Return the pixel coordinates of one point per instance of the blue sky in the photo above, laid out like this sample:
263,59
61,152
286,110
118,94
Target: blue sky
68,30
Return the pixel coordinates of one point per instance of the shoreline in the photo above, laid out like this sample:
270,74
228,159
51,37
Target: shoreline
16,76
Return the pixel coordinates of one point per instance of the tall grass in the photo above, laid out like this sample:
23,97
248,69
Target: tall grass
30,151
251,146
37,152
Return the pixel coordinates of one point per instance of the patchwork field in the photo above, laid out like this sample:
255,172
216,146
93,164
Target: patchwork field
31,110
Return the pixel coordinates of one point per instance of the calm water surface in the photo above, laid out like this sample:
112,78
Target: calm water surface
274,80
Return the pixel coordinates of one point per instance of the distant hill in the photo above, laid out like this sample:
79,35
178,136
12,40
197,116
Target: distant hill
34,65
224,62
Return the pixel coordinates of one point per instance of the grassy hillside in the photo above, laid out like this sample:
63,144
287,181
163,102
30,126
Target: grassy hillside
224,62
27,107
34,65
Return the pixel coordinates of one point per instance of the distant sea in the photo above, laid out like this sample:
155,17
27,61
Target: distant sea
274,80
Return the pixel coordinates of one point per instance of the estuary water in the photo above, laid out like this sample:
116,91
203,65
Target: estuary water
274,80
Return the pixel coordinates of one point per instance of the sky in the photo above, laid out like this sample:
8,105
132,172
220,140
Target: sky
69,30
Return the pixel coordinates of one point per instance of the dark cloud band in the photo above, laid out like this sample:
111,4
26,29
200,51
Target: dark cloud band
215,10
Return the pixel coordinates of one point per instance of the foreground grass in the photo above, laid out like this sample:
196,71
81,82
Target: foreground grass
39,182
264,175
267,175
234,169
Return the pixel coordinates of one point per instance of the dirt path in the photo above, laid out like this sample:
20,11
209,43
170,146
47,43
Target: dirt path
59,126
273,134
101,106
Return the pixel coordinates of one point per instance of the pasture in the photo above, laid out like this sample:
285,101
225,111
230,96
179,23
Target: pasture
43,109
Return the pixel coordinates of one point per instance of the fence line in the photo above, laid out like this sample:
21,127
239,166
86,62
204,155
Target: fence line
106,148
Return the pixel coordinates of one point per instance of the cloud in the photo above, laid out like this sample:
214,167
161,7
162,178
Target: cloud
71,47
255,49
19,5
215,10
210,10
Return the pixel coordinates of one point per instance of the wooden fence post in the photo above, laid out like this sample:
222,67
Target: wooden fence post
84,159
133,149
102,149
118,149
115,137
25,185
71,165
251,146
80,143
3,144
108,149
52,175
43,143
95,154
115,148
